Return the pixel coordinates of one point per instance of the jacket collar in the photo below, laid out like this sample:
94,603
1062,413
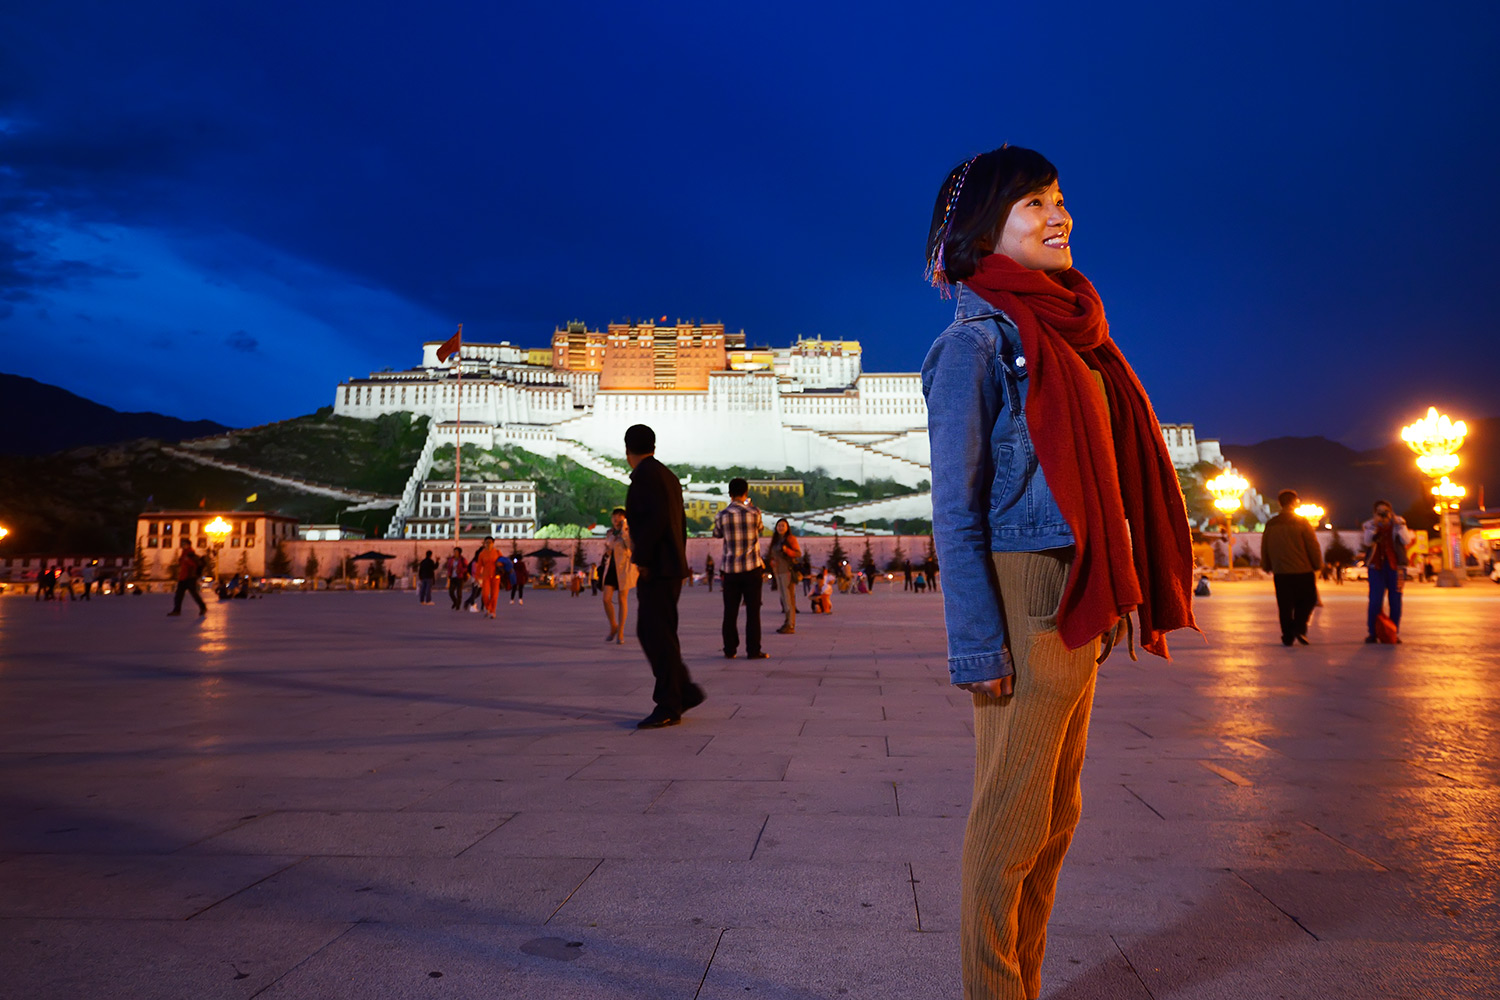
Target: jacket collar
971,305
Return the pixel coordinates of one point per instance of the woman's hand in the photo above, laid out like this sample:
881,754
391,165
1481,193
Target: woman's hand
1000,687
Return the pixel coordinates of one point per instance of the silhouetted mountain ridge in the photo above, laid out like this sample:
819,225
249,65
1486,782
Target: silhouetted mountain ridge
48,419
1347,482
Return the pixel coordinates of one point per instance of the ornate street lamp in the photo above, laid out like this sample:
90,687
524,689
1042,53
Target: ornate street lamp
1228,490
218,529
1436,440
3,532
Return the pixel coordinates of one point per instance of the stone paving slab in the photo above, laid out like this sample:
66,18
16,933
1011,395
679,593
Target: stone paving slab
338,795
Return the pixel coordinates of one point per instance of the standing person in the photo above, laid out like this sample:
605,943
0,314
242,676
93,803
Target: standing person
426,576
1290,552
785,555
456,568
619,574
658,536
1386,540
519,575
88,572
1056,513
487,572
708,571
806,570
906,574
740,524
189,569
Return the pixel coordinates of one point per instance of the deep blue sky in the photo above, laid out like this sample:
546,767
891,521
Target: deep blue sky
220,210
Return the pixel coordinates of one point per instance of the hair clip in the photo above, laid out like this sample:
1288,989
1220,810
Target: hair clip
936,272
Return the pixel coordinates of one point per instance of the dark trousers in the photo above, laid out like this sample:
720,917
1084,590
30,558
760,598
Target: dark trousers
1296,596
456,591
424,590
1384,582
747,587
656,628
190,588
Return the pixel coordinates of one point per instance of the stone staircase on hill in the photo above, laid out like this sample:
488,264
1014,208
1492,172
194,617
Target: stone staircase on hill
902,470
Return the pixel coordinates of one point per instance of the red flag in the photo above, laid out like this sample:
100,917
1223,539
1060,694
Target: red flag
451,345
203,503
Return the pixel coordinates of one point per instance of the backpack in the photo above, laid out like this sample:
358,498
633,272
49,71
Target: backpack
1385,629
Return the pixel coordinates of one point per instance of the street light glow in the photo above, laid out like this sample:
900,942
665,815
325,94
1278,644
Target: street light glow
1312,512
218,528
1227,489
1447,491
1436,440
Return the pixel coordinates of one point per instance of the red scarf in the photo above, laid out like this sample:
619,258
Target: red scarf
1104,458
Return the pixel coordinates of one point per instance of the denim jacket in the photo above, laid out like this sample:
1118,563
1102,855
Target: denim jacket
988,491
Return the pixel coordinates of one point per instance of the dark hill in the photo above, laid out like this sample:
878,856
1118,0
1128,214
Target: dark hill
48,419
1348,481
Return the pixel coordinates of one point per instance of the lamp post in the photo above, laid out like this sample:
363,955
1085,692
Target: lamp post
1227,489
218,529
1436,440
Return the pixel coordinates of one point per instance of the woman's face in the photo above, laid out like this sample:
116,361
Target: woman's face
782,527
1037,232
618,520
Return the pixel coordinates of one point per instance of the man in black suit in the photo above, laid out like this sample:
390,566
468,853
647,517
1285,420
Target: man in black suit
658,535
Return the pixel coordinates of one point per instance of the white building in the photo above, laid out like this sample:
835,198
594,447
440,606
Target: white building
806,407
504,509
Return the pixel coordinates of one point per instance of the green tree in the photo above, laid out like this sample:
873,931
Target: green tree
243,566
281,561
141,569
578,555
1338,553
867,560
836,555
898,557
310,568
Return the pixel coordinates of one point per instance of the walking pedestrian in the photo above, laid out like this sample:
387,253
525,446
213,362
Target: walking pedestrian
1386,538
905,574
87,574
426,576
1289,551
487,572
658,538
519,577
456,569
739,524
1056,512
708,572
189,569
619,574
786,553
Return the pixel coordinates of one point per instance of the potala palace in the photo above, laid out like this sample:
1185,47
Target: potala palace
712,400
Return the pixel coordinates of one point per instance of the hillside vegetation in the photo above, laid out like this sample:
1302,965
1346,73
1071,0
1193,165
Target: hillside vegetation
86,500
375,455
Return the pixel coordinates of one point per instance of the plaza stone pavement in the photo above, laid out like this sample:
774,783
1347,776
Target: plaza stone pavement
351,795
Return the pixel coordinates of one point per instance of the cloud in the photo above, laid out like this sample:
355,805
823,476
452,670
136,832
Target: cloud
196,298
239,340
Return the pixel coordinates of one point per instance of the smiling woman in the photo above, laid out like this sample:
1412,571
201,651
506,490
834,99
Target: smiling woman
1056,514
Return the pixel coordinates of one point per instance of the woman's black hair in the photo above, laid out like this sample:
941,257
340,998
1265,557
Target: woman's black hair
779,522
964,229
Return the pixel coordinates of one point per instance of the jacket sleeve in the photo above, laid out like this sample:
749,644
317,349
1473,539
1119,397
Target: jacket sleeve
964,401
1314,550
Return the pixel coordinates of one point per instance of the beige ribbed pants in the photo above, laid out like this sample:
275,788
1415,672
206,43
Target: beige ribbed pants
1027,760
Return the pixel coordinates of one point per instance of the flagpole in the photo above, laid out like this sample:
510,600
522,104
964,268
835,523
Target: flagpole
458,435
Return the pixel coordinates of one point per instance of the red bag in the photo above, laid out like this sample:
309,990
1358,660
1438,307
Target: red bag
1385,629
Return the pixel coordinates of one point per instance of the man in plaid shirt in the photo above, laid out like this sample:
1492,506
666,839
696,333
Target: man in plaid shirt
741,569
